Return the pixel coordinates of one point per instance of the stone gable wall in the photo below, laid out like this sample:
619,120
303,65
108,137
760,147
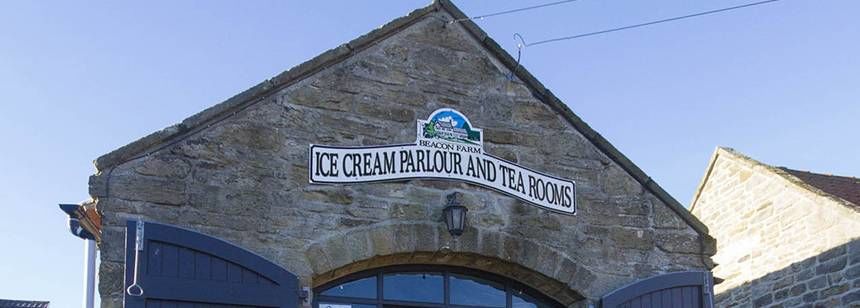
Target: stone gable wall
778,245
245,180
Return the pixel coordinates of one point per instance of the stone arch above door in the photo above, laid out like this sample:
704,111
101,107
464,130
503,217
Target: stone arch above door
536,266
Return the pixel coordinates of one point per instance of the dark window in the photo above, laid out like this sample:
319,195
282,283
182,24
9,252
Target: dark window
471,291
521,300
428,286
342,305
414,287
361,288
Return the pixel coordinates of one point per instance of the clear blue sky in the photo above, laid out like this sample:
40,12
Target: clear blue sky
779,82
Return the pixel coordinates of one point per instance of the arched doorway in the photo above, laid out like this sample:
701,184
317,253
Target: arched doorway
428,286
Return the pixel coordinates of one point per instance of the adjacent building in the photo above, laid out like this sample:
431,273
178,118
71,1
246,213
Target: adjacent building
785,238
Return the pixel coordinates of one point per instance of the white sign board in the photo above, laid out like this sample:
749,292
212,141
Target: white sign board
447,148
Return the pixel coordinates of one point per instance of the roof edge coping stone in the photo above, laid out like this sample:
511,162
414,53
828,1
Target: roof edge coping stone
201,120
785,175
545,95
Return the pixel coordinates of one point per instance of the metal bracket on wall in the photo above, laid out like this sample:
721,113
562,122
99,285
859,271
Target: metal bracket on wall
305,294
708,288
135,289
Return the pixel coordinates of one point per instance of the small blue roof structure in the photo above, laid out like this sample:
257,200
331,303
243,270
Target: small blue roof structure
8,303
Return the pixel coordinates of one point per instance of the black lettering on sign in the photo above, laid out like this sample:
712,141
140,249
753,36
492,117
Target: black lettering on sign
568,196
532,186
470,168
346,170
365,164
419,160
406,162
317,164
377,164
491,171
356,164
540,192
389,162
333,164
504,171
440,160
428,162
326,164
520,187
551,192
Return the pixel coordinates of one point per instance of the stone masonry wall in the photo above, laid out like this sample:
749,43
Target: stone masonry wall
244,179
778,245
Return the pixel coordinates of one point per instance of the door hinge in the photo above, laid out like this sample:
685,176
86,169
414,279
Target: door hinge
305,293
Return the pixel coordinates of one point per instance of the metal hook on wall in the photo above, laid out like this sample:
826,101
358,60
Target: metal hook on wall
520,45
135,289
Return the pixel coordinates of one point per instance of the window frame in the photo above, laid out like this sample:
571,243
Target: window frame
510,286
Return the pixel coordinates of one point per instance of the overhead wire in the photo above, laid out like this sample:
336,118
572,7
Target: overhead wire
511,11
648,23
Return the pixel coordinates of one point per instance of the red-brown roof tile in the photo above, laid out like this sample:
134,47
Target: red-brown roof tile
847,188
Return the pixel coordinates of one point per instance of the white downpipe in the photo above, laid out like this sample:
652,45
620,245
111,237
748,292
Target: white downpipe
89,272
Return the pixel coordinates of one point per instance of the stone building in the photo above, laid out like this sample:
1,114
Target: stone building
355,227
785,238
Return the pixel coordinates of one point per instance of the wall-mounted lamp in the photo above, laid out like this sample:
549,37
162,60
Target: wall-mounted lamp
455,214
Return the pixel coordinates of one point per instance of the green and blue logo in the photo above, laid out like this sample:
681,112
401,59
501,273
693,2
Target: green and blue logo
450,125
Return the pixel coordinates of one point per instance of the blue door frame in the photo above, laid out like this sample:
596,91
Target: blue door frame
182,268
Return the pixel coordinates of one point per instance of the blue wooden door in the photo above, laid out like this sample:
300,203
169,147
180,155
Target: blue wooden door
181,268
673,290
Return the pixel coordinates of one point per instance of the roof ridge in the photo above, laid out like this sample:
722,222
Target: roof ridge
821,174
198,122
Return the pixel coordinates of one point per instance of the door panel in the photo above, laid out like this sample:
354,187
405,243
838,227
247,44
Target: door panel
182,268
673,290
